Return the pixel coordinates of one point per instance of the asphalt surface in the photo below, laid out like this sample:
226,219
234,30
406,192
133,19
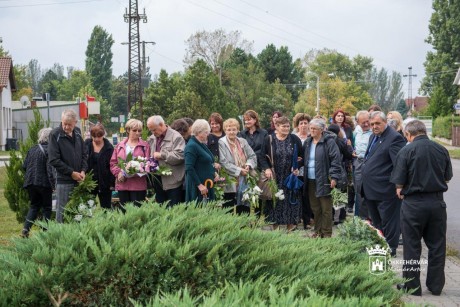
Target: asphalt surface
452,199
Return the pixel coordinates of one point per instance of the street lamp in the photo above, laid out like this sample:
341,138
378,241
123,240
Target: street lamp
318,99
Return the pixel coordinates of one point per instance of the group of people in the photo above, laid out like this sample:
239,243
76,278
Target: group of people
365,155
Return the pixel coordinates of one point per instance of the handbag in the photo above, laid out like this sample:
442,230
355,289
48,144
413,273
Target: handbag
263,182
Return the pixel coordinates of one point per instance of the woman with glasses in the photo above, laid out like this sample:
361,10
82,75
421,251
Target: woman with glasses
99,153
280,145
130,189
322,172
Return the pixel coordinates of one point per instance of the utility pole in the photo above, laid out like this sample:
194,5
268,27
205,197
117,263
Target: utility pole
134,68
145,59
409,91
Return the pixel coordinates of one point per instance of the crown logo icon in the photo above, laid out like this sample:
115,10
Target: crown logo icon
377,250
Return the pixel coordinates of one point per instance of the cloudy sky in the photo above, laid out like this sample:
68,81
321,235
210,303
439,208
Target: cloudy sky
392,32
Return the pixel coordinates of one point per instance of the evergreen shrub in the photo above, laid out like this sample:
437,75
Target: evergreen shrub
15,194
186,255
442,126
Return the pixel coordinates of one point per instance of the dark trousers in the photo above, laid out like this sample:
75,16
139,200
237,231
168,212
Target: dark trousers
40,198
132,196
105,197
360,204
385,215
424,216
305,202
174,196
231,202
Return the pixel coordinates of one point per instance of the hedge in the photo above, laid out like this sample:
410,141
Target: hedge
186,255
442,126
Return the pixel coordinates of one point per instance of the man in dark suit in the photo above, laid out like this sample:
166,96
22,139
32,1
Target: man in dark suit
377,190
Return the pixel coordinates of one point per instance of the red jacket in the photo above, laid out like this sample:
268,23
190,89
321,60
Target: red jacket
134,183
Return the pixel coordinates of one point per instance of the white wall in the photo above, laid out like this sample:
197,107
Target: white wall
5,115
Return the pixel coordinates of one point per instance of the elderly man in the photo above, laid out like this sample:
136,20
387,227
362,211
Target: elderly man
362,134
422,171
167,147
67,153
378,192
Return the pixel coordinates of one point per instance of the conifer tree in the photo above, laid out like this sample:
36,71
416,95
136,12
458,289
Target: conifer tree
15,194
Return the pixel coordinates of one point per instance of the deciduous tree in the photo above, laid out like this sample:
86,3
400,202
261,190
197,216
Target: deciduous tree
439,65
214,47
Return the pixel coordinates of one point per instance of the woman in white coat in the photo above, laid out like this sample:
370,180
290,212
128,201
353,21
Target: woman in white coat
237,158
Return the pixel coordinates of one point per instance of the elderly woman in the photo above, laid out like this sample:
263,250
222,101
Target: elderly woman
237,158
99,154
199,164
322,172
39,181
132,189
397,121
217,132
280,146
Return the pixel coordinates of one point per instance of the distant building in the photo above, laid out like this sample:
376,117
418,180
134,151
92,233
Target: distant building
420,103
7,87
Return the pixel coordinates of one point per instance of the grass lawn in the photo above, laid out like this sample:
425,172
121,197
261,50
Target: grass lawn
454,153
9,226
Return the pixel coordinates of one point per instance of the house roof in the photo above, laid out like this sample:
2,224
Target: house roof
6,73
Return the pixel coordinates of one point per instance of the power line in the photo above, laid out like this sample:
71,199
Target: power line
314,33
47,4
248,25
265,23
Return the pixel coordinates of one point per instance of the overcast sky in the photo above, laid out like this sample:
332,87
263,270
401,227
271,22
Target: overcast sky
392,32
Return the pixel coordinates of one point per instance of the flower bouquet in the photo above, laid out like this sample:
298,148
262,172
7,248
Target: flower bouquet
133,166
153,166
222,178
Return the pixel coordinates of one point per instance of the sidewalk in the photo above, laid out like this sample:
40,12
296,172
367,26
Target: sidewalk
450,295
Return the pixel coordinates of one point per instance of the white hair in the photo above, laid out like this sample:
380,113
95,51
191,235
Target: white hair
156,120
69,114
318,122
43,135
199,126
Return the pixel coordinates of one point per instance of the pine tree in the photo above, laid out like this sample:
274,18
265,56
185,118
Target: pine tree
15,194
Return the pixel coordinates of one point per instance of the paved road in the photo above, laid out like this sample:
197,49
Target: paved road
452,198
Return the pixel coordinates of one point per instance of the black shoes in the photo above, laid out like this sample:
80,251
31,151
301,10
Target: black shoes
403,287
25,233
436,293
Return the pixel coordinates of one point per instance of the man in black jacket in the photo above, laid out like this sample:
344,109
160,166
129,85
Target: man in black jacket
377,190
68,155
422,171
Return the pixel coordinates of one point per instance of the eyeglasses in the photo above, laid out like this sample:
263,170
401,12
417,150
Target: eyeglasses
136,130
97,135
